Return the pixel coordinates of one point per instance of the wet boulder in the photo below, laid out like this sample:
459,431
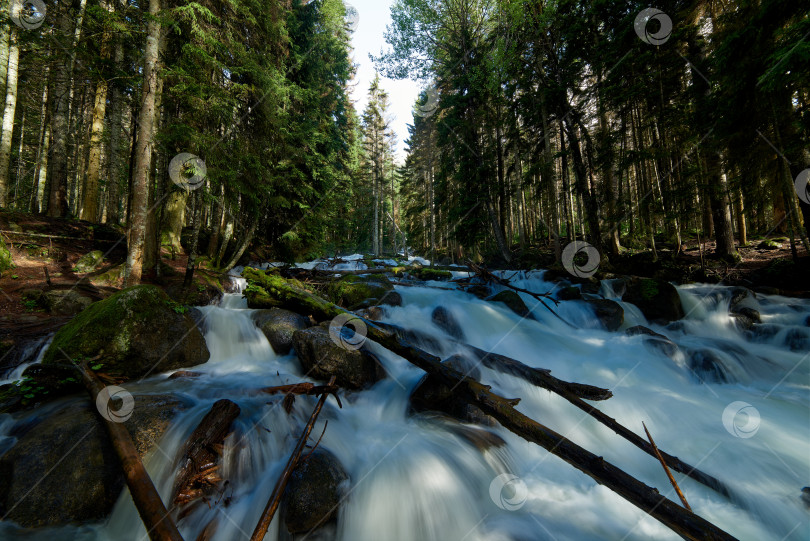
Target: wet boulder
313,495
569,293
798,340
322,357
444,319
708,366
432,395
63,468
745,317
738,295
658,300
426,273
609,313
654,341
480,291
353,291
513,301
136,332
278,326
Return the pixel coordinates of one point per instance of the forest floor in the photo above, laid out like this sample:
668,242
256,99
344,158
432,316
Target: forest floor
38,243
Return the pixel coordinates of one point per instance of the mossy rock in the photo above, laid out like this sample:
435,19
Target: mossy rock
658,300
5,257
137,332
426,273
769,245
110,277
89,262
279,325
352,291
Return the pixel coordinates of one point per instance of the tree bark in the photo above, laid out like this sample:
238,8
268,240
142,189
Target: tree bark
90,199
8,117
143,152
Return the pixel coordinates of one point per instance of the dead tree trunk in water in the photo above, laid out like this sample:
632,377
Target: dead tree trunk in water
681,521
159,525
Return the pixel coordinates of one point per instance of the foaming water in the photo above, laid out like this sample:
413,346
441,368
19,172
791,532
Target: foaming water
415,478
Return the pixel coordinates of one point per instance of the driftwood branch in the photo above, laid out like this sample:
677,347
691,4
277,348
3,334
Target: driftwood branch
680,520
666,469
159,525
281,484
487,276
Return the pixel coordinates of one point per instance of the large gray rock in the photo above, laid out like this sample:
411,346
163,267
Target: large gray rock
136,332
314,493
63,468
65,302
322,358
279,326
89,262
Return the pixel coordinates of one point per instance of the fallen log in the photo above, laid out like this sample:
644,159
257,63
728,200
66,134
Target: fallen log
197,475
575,393
537,376
680,520
281,484
159,525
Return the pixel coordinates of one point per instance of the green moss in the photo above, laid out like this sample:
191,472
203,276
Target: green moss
649,288
425,273
269,290
5,257
351,290
84,336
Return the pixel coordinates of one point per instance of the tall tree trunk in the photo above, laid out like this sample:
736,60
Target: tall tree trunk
5,36
117,139
8,117
59,104
90,199
143,152
34,203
